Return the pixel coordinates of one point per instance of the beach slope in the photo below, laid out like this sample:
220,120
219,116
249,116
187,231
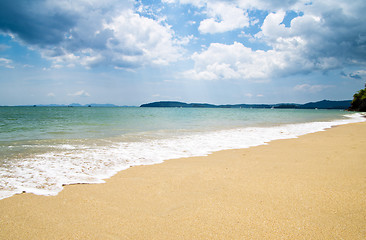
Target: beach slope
311,187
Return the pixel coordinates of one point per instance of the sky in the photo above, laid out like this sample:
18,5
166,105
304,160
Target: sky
130,52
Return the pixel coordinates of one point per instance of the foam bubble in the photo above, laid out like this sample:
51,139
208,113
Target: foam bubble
45,174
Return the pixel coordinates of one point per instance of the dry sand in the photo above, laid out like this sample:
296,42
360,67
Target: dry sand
313,187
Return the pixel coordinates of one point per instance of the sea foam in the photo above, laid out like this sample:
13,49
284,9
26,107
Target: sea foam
47,173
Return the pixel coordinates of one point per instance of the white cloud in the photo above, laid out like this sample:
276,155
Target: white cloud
311,88
316,40
250,95
51,94
185,40
7,63
254,22
326,35
271,5
272,27
221,61
81,93
223,17
139,40
168,1
245,4
359,74
94,33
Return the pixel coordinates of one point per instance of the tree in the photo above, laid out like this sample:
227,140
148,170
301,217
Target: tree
359,101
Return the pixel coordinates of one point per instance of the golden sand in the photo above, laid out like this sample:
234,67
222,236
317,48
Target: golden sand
312,187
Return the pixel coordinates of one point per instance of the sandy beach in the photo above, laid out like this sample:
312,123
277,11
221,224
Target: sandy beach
311,187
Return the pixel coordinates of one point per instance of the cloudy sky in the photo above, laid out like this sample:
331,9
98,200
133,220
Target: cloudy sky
129,52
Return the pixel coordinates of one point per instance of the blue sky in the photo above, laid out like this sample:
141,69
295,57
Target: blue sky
217,51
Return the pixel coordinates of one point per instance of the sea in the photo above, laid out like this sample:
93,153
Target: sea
43,149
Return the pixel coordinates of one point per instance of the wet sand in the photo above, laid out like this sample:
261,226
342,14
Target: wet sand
312,187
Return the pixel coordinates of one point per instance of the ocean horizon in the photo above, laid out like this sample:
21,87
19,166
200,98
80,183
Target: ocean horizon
43,149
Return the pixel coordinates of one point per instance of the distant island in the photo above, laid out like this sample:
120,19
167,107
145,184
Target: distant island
74,105
324,104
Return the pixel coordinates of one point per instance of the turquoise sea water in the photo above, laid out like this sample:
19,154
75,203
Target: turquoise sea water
43,148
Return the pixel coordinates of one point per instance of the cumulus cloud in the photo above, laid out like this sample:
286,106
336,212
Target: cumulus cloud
139,39
90,33
223,17
325,36
317,36
236,61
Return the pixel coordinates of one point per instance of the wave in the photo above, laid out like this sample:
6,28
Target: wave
47,173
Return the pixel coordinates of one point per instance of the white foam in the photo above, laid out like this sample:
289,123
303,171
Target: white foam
45,174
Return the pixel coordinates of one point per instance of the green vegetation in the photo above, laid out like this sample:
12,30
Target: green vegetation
359,101
324,104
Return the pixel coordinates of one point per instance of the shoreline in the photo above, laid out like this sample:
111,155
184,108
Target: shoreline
308,187
99,163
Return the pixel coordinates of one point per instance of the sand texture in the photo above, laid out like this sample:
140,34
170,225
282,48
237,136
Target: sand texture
312,187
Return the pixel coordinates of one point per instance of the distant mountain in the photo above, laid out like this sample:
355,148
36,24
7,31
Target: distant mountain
287,105
166,104
201,105
325,104
101,105
73,105
245,106
76,105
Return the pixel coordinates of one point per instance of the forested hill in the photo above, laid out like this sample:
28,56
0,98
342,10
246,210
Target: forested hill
359,101
325,104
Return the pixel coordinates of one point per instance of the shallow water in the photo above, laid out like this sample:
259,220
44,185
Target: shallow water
43,148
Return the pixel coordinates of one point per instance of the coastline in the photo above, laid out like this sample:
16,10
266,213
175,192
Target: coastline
311,187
